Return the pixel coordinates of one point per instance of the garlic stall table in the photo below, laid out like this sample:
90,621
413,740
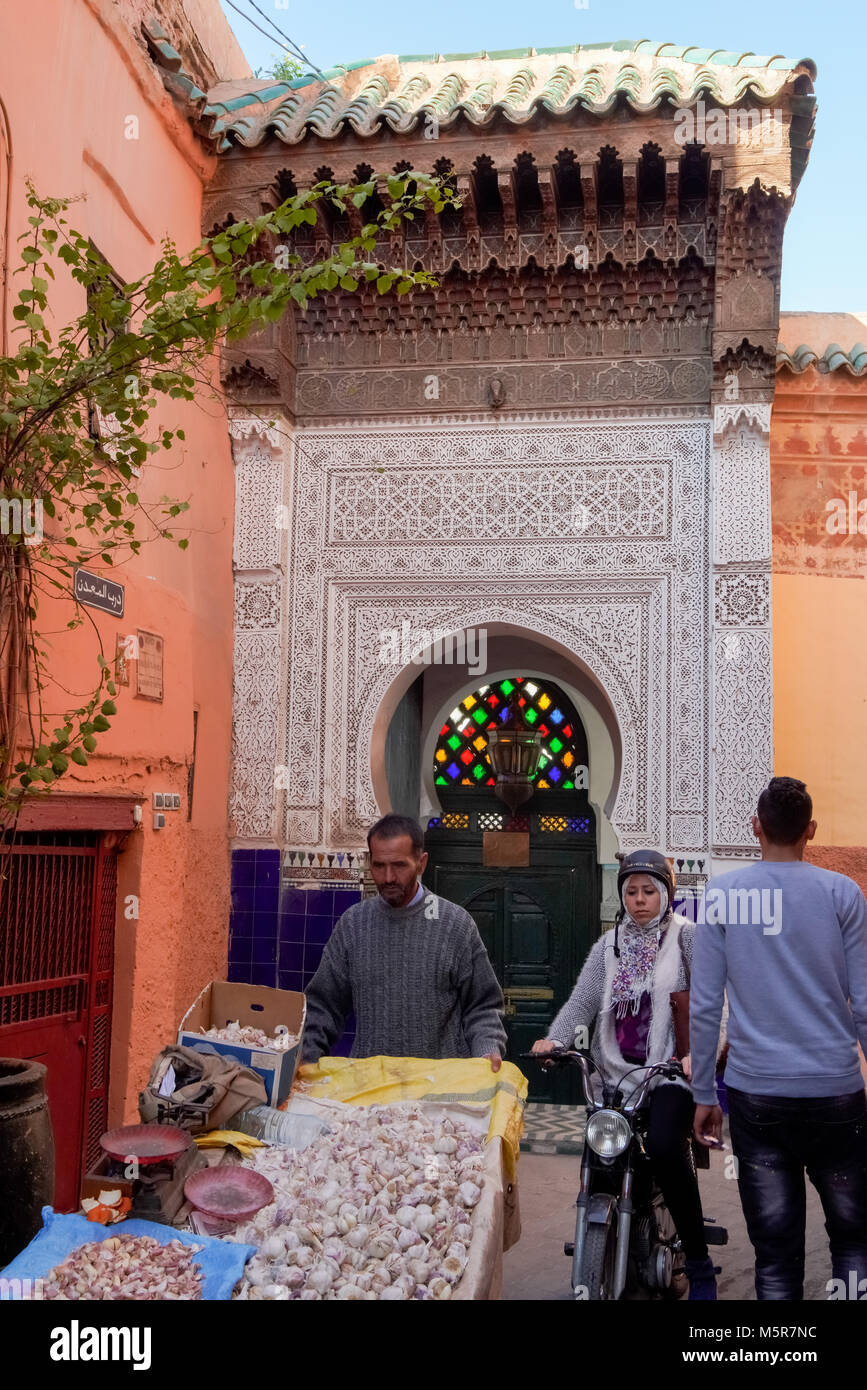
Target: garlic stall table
408,1191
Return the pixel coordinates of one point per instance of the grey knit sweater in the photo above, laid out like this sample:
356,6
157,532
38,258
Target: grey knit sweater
418,979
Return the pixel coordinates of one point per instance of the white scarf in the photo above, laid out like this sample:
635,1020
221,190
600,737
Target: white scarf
660,1040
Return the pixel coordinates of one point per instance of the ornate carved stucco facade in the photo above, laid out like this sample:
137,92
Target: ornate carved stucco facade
568,439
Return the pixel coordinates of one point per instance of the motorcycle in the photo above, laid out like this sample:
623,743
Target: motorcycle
625,1239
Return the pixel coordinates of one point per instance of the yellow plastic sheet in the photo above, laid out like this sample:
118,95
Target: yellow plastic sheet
468,1081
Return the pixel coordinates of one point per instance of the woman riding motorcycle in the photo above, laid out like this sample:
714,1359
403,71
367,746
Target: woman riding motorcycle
624,989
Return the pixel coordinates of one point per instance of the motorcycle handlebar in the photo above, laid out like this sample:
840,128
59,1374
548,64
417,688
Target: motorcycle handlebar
581,1058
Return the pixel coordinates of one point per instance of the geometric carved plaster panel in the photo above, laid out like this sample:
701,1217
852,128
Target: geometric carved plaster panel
598,500
257,606
742,598
258,492
254,733
633,608
743,760
741,669
741,498
259,537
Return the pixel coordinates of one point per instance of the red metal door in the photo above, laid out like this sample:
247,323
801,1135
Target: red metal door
57,909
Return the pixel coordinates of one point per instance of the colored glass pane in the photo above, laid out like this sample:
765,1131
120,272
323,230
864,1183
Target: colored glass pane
464,734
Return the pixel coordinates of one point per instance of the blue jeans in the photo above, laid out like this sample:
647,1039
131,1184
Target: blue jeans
777,1138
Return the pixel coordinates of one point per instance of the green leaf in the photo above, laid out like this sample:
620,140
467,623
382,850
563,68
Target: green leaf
59,763
108,707
89,742
384,283
100,724
79,756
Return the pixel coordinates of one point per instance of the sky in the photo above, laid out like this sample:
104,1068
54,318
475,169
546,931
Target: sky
824,250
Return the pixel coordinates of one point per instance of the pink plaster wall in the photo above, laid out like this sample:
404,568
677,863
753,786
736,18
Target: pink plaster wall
70,77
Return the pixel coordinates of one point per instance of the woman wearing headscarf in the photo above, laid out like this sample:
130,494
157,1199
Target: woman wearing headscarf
624,990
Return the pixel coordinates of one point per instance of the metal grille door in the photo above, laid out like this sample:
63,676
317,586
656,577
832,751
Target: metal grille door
57,909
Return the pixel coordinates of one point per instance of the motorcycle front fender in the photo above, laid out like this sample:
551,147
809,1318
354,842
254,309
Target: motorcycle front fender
601,1209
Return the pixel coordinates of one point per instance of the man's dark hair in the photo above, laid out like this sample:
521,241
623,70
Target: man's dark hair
785,810
391,826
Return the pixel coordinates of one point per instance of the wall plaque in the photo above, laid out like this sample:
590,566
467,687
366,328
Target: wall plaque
506,849
149,668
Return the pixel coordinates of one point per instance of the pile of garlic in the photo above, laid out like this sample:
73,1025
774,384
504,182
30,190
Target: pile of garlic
248,1036
379,1208
127,1267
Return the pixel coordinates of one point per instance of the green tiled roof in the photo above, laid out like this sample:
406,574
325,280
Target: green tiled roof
399,92
831,360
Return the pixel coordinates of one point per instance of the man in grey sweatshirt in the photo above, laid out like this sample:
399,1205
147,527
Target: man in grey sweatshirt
410,964
787,942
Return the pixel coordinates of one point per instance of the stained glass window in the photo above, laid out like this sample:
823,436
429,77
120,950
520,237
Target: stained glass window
461,758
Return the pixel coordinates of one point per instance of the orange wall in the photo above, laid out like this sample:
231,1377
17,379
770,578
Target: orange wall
818,453
69,79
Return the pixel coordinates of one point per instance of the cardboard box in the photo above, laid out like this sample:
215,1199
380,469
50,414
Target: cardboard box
255,1006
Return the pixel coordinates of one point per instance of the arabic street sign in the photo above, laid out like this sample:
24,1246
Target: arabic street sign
98,592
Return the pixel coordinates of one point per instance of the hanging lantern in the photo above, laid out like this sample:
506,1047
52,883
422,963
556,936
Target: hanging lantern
514,751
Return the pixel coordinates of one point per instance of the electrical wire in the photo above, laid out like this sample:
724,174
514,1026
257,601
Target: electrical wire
284,35
298,51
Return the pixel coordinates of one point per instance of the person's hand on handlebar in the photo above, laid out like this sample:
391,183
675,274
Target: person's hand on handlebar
546,1045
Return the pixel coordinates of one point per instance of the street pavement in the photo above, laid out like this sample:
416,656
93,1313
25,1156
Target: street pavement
536,1267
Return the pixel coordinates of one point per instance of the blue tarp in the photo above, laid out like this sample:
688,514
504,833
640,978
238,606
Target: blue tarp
222,1261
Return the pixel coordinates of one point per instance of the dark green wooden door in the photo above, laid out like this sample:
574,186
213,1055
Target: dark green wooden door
527,920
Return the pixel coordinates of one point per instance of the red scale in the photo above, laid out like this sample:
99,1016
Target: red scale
150,1163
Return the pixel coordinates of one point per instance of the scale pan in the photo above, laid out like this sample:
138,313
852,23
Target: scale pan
146,1143
231,1193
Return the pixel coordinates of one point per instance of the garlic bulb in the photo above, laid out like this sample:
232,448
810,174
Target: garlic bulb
381,1207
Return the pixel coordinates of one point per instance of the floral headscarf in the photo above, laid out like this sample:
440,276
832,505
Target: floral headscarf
638,947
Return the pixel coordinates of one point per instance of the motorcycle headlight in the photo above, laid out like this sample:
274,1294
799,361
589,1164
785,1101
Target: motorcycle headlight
608,1133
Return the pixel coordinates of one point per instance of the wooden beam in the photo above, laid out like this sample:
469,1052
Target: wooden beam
75,811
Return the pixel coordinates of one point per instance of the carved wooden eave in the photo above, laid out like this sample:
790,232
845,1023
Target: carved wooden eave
560,269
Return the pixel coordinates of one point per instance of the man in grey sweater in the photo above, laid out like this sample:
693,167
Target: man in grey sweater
788,942
410,964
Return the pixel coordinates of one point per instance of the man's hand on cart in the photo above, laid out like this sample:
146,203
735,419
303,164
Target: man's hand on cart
495,1060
